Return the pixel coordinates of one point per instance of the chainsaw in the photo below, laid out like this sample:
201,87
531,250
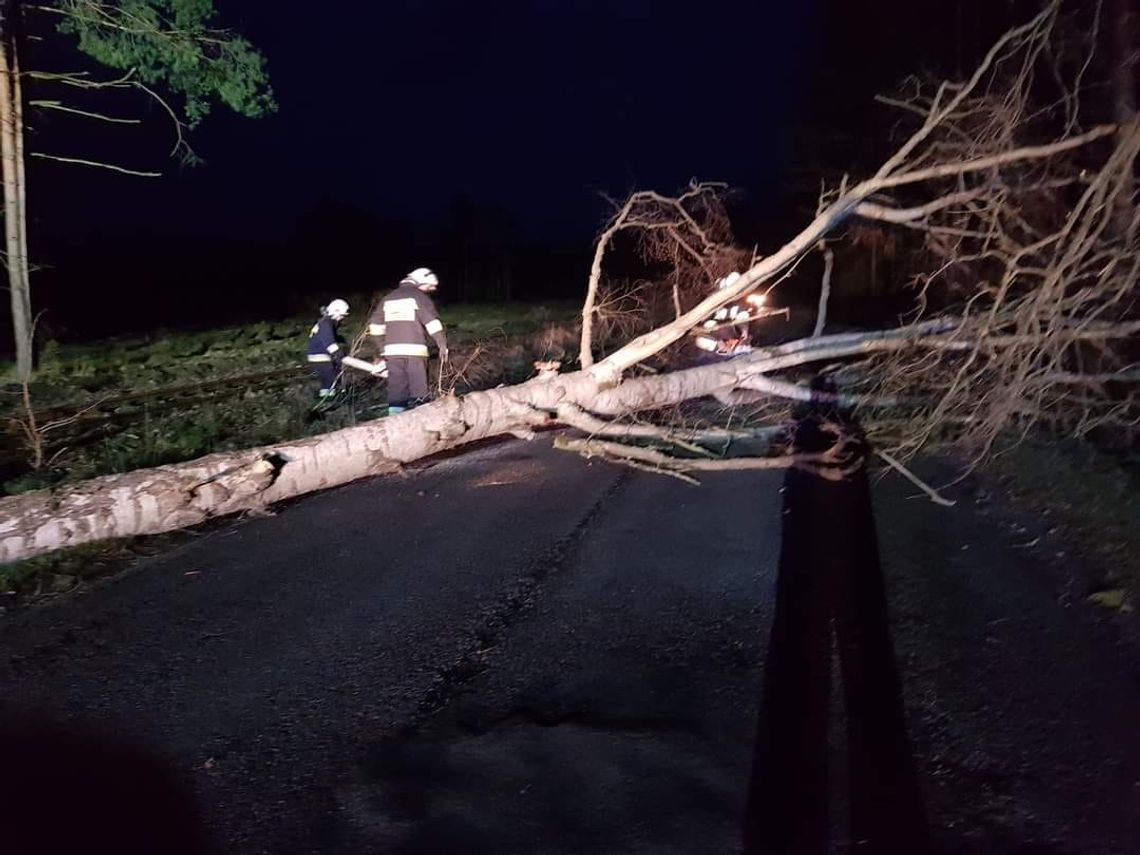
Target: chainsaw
376,369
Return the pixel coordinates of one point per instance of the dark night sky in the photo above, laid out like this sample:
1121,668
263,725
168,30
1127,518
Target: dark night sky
400,106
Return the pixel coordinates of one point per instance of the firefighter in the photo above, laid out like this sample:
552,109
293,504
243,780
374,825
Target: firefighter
726,332
326,347
398,327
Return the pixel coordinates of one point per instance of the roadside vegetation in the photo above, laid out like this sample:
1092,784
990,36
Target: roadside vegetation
1087,494
173,395
112,406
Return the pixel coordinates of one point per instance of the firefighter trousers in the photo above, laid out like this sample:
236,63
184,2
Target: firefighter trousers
326,375
407,380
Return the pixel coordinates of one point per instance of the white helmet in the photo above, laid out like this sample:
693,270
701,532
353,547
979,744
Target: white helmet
337,310
423,278
728,281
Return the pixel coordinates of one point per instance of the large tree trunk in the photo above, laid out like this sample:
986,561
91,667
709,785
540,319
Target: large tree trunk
982,369
22,190
11,160
171,497
166,498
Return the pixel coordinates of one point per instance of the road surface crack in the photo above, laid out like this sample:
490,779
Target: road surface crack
495,621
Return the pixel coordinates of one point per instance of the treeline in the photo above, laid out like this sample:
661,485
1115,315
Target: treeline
102,287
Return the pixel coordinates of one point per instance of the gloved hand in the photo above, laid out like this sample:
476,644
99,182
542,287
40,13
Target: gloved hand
443,356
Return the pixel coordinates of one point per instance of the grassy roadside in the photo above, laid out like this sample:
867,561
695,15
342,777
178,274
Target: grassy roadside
176,396
74,373
1091,498
490,344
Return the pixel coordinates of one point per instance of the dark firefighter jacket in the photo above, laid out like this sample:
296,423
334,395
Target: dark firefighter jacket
324,342
401,321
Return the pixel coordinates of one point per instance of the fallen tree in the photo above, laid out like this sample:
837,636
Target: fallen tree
1025,222
165,498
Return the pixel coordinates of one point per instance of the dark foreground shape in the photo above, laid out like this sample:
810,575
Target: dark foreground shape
830,577
68,790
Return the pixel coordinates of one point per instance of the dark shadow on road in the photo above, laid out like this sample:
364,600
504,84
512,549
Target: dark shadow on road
67,789
830,586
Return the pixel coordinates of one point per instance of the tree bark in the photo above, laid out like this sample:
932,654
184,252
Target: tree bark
152,501
12,172
21,183
170,497
589,304
824,290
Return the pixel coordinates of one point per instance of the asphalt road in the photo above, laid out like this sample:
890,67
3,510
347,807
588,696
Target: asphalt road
515,651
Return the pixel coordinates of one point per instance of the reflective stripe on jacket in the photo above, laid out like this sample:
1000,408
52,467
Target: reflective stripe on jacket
404,320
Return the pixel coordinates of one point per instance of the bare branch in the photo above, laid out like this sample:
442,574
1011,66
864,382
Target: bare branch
180,143
882,213
934,495
824,289
984,164
575,417
938,115
794,392
82,79
610,369
95,163
668,464
690,232
56,105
